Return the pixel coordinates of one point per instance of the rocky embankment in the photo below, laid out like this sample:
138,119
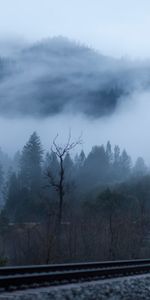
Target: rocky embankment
135,288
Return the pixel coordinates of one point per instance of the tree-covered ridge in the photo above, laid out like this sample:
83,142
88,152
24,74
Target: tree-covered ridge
34,175
58,75
52,200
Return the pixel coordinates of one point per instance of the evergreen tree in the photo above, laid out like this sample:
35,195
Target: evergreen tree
1,185
116,163
51,163
1,177
96,166
109,152
125,165
116,155
68,166
69,173
16,161
12,195
80,159
23,197
140,168
30,163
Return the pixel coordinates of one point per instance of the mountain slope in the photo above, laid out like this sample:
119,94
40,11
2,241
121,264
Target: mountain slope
58,75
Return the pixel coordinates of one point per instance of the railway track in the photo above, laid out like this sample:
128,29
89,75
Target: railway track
34,276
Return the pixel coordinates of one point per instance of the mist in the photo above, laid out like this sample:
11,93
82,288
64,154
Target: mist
128,127
117,28
57,85
73,100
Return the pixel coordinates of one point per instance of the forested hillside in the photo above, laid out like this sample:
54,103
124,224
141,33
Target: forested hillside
57,75
91,200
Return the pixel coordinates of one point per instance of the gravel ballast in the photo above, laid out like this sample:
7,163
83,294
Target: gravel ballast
127,288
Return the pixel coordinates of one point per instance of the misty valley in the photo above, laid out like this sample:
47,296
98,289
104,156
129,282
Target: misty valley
74,150
66,199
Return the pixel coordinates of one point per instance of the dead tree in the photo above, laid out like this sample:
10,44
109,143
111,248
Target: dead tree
59,185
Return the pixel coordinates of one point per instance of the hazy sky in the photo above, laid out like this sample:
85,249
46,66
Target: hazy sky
116,27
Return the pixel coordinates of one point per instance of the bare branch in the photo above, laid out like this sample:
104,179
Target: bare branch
60,152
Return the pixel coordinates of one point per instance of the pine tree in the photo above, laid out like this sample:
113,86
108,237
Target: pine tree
80,159
140,168
1,177
1,185
12,194
116,155
96,165
30,163
116,163
51,163
68,166
125,164
109,152
16,161
24,189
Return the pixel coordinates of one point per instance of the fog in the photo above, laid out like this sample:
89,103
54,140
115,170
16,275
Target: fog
42,89
128,127
57,75
95,81
118,28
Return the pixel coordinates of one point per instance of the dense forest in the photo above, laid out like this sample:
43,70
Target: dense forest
58,206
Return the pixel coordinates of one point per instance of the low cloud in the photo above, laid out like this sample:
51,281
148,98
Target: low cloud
57,85
57,75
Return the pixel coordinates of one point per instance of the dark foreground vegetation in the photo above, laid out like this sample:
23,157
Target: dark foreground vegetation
63,208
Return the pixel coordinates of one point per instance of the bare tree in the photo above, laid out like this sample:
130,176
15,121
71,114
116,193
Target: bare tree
59,185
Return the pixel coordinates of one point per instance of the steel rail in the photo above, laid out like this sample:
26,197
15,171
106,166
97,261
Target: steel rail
14,270
59,277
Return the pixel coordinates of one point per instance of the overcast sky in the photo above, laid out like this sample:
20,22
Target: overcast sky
116,27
